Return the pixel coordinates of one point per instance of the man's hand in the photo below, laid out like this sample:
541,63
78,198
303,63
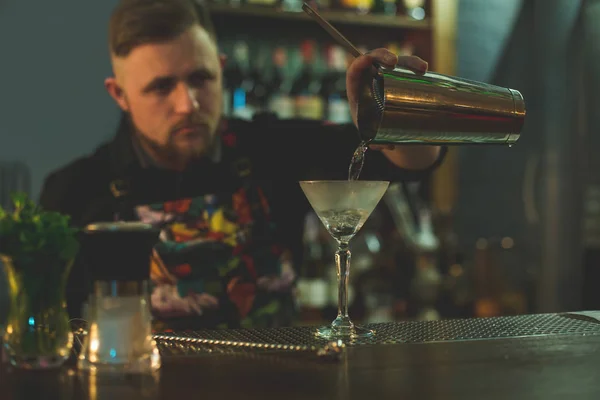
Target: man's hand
166,302
410,157
386,59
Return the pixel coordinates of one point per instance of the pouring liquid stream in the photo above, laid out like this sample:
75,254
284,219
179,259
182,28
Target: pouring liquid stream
358,160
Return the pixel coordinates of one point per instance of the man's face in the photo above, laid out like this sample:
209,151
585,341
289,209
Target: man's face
173,92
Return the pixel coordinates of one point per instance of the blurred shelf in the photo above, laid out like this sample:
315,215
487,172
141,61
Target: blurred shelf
335,17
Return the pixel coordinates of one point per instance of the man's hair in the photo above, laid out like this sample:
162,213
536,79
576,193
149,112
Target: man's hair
137,22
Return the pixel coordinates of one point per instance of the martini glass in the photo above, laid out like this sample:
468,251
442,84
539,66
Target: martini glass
343,207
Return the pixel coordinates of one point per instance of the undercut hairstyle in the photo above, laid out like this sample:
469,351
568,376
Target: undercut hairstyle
137,22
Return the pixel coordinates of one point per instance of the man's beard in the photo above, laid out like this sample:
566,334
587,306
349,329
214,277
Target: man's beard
172,153
177,152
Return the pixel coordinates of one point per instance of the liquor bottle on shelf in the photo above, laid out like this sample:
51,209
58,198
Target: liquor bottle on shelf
359,6
415,9
258,95
280,101
307,85
239,81
333,87
385,7
292,5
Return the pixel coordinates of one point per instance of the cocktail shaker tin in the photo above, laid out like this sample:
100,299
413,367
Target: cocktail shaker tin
403,107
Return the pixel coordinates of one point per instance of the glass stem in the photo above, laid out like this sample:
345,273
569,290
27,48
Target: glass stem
342,261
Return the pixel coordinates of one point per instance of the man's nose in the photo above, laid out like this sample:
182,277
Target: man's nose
185,99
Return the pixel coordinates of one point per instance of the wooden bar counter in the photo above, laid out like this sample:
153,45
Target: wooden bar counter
545,356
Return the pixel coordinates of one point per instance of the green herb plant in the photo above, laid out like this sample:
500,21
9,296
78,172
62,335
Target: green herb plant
37,248
30,234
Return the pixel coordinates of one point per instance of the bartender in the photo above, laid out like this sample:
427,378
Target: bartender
224,193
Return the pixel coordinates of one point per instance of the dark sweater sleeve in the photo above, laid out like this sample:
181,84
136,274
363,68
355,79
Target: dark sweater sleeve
311,150
55,194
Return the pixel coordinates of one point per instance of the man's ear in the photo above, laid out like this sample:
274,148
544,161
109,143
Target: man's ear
115,91
222,60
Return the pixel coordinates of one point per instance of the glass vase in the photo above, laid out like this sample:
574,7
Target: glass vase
37,333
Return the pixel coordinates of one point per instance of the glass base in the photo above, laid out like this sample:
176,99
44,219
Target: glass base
35,359
143,364
353,332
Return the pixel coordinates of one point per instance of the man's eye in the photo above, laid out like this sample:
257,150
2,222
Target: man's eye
198,80
163,88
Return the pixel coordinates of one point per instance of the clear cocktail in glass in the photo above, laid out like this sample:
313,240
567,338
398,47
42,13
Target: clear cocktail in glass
343,206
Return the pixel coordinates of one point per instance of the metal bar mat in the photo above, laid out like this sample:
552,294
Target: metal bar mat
304,339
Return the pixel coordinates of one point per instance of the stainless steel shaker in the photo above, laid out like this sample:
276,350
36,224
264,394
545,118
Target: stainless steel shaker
403,107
